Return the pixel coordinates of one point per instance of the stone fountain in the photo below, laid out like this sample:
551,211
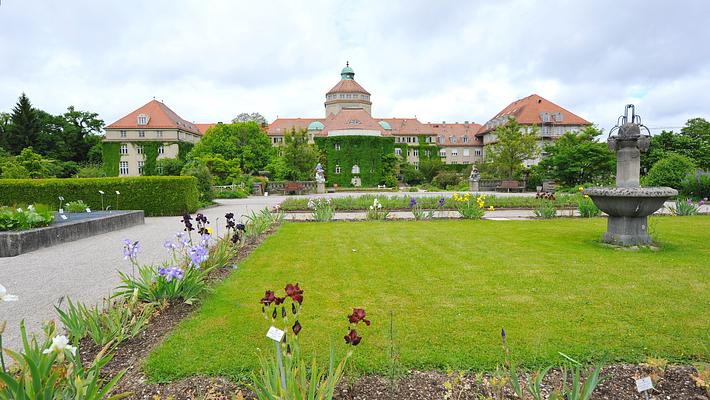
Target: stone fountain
628,205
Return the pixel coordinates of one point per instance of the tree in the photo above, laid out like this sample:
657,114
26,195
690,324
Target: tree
5,120
577,158
80,132
242,141
430,167
670,171
515,143
253,117
299,156
693,141
25,127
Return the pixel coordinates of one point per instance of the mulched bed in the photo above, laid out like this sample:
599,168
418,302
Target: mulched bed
619,381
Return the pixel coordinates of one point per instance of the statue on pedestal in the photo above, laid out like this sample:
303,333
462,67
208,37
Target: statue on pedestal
320,175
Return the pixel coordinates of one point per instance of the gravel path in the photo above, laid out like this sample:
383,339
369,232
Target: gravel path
86,269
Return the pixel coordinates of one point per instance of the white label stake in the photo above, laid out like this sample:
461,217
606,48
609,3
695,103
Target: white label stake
275,334
644,384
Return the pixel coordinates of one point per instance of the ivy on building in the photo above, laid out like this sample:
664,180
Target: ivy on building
110,153
183,149
344,152
150,152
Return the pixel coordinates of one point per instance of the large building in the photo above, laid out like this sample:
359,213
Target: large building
353,140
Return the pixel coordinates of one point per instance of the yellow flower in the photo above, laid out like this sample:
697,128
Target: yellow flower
581,188
491,208
586,196
209,230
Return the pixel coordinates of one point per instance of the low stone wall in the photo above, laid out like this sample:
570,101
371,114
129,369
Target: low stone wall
78,226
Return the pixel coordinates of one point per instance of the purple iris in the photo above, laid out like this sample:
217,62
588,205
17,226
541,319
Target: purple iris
171,273
441,202
702,202
198,254
130,249
206,240
170,245
182,239
690,202
412,202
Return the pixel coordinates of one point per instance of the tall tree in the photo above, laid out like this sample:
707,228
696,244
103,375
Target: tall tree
25,129
243,141
250,117
80,131
578,158
299,156
5,121
515,144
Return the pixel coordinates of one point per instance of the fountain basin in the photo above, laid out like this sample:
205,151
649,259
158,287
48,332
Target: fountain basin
628,209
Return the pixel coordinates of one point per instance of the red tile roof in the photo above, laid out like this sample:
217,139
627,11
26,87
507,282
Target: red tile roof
204,127
159,115
445,132
347,86
408,127
281,125
353,119
527,111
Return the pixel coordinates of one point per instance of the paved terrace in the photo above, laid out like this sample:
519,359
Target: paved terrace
86,270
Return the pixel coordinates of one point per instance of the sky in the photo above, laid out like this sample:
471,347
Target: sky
436,60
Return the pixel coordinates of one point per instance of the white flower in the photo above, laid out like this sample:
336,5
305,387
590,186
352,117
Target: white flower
101,192
311,204
379,205
59,344
117,192
6,297
372,208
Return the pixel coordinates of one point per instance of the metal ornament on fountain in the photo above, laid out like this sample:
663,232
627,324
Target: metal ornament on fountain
628,205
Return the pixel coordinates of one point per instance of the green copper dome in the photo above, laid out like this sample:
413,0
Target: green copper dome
347,72
316,126
385,125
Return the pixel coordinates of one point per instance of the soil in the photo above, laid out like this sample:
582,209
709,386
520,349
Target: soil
618,381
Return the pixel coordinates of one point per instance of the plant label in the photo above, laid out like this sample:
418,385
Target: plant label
275,334
88,209
644,384
64,217
61,211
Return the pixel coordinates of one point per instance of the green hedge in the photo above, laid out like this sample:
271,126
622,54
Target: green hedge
156,195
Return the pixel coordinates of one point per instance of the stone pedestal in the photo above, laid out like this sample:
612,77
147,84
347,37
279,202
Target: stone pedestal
627,231
320,187
256,189
473,185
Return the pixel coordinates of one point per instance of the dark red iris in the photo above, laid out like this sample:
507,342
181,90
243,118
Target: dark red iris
294,292
352,338
357,316
279,300
296,328
268,298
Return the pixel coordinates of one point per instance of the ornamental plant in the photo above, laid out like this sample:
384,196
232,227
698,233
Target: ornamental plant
291,377
545,207
418,211
17,219
685,207
77,206
376,212
323,210
470,207
586,206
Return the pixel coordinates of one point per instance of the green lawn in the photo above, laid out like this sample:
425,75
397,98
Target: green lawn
451,286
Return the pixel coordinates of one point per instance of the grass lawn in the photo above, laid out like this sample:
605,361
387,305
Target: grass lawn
451,285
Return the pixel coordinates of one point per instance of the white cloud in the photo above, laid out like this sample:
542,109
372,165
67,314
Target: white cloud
446,60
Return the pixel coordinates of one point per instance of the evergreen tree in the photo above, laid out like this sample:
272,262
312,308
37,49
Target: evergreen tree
25,129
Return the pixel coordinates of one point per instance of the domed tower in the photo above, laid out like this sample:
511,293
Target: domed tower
347,94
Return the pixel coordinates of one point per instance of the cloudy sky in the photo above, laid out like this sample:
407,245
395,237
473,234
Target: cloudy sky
437,60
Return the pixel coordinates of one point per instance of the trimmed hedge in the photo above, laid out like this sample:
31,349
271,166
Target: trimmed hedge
155,195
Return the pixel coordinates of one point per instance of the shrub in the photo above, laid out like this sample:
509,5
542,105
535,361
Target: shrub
91,171
25,218
411,175
156,195
75,206
696,185
444,179
670,171
587,208
169,166
204,179
231,194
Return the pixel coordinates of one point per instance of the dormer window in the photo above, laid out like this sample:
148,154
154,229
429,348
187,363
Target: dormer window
143,119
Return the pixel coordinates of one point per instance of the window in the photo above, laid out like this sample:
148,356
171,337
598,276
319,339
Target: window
356,169
442,153
124,148
465,162
398,151
337,169
159,133
416,152
139,149
142,119
123,134
477,152
159,169
453,139
123,168
161,149
427,153
464,139
454,152
337,146
141,133
416,165
466,153
140,167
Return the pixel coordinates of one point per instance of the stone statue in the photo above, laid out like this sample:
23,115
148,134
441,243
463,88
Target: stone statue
320,176
475,175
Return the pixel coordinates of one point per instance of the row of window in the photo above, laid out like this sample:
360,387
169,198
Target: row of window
139,149
123,168
466,152
352,96
141,134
